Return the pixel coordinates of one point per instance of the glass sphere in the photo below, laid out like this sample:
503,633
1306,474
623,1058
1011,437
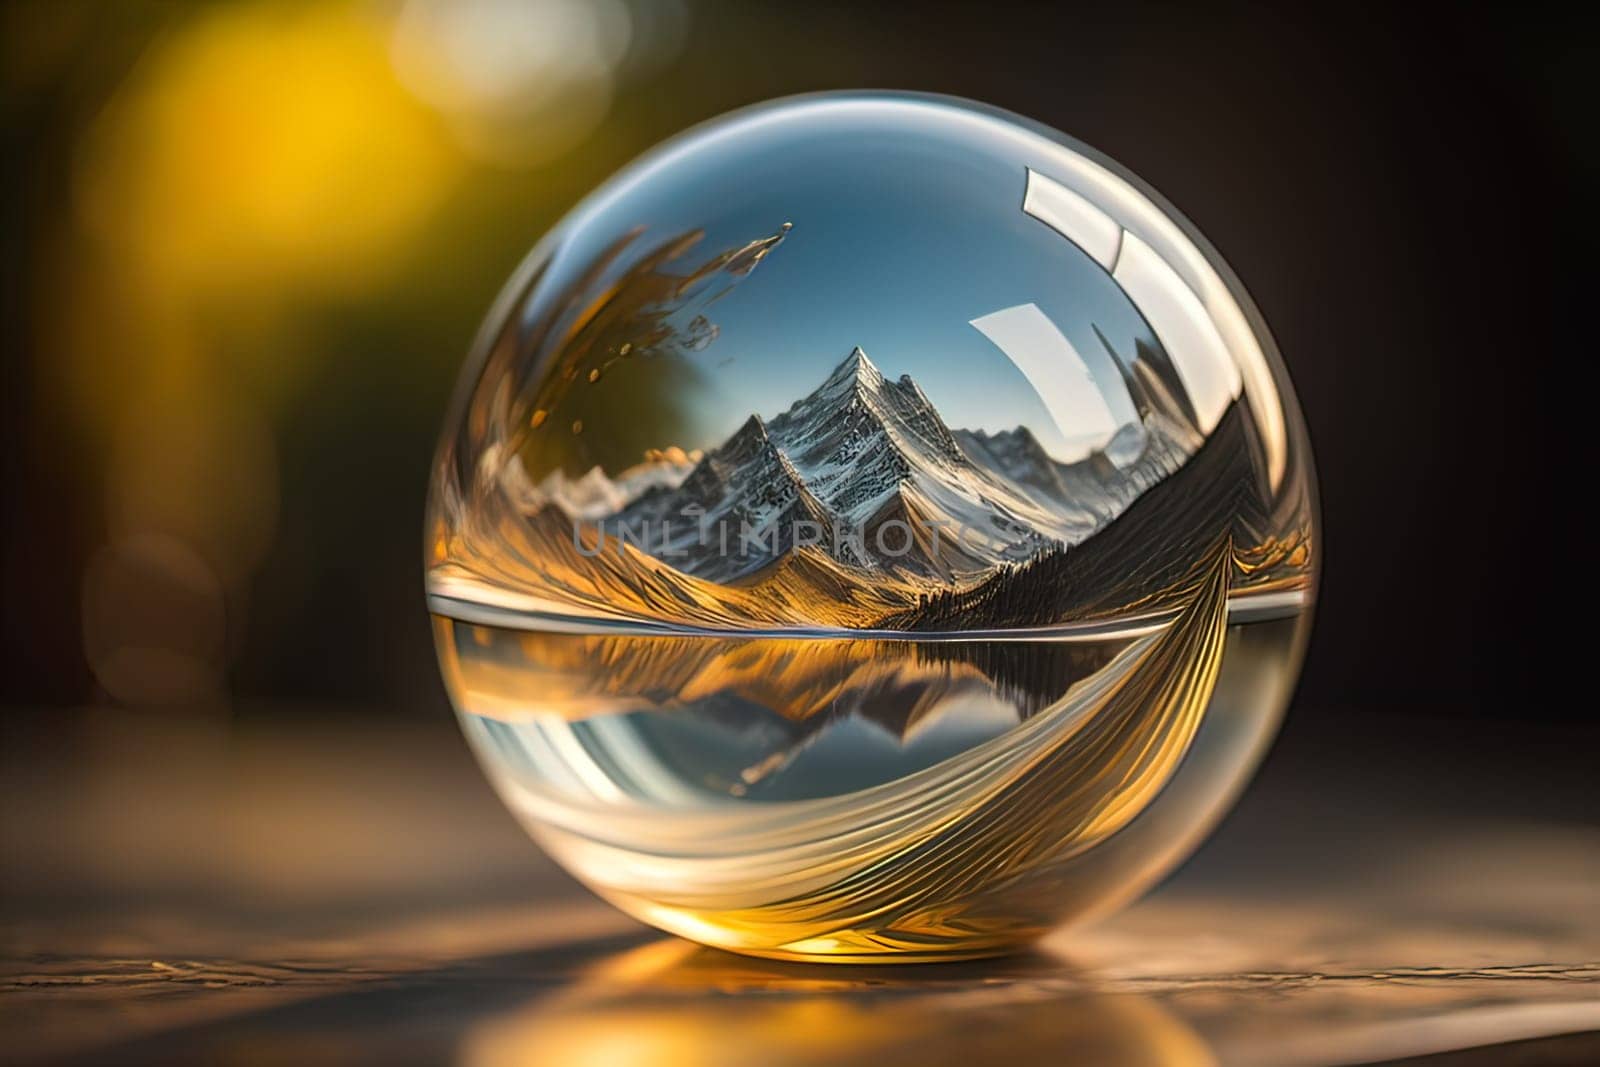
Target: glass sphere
871,527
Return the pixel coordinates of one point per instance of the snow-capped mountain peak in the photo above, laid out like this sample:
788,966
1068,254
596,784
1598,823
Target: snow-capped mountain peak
868,467
856,372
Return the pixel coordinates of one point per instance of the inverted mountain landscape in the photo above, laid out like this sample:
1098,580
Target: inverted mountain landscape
867,510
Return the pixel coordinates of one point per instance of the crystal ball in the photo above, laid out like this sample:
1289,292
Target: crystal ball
871,527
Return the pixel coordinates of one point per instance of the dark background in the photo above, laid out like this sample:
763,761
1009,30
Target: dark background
1398,190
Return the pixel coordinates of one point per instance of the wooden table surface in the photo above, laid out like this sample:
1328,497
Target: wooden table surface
275,885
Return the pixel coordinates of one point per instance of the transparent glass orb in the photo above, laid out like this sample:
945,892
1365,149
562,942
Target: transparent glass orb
871,526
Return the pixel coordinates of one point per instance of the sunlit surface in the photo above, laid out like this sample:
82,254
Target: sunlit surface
363,895
671,1004
847,537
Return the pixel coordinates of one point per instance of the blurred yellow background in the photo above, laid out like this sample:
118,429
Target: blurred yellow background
275,227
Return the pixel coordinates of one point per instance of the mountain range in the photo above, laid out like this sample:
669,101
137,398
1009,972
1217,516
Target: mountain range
866,469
